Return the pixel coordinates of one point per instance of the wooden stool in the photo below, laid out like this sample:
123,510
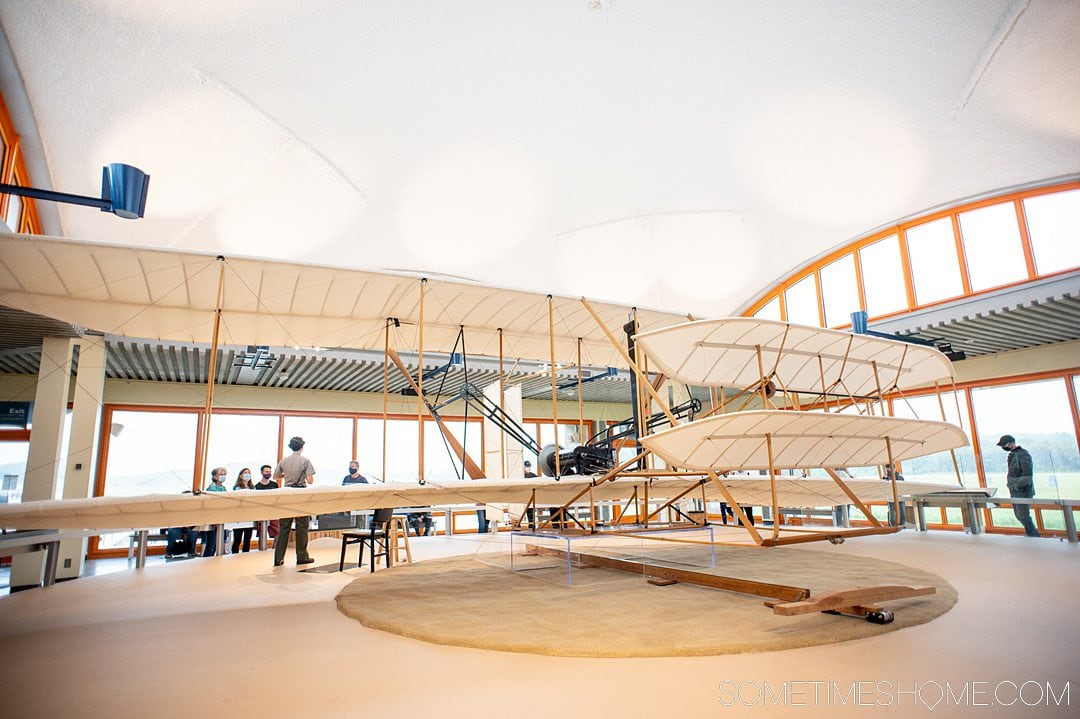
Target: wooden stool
398,531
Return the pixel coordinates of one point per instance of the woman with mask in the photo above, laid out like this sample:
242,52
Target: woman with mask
209,531
243,481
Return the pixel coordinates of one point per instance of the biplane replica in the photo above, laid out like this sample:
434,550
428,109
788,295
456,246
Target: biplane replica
781,398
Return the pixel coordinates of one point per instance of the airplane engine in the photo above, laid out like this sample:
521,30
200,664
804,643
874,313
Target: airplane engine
576,459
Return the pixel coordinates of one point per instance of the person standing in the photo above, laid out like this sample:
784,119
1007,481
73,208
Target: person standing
296,471
180,540
893,515
354,476
243,480
266,481
209,532
482,523
1020,479
530,514
266,478
243,535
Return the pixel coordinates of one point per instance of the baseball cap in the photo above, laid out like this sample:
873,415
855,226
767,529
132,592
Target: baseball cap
1006,439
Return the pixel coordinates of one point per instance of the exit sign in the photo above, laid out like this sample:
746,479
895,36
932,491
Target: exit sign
16,414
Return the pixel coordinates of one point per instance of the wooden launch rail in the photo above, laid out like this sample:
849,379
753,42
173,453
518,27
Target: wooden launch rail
781,592
785,601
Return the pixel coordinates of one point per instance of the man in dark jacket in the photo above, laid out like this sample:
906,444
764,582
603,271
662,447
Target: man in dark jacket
1020,481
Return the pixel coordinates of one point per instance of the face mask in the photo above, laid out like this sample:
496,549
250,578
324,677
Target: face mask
245,475
1005,449
266,475
353,471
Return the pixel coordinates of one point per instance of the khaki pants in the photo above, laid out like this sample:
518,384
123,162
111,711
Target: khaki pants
281,544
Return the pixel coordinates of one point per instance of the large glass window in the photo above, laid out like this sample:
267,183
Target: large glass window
369,450
1054,227
328,444
12,470
770,310
569,434
939,467
839,291
402,449
992,246
1037,414
14,213
149,453
441,462
935,269
65,448
883,277
802,302
239,441
625,453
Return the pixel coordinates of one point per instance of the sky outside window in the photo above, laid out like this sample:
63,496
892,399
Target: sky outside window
839,291
1054,226
939,467
801,300
770,310
242,440
150,453
992,246
440,461
883,277
935,268
328,444
1037,414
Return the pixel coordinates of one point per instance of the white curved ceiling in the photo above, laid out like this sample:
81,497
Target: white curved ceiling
673,155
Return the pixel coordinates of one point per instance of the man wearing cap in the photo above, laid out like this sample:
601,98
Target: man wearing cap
294,471
1020,481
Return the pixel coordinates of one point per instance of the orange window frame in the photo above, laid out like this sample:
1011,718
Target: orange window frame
13,171
93,550
1067,375
900,230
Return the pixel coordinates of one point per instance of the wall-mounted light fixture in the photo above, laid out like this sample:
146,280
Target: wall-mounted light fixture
123,192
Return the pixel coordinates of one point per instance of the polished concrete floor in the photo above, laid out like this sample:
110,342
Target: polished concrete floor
233,636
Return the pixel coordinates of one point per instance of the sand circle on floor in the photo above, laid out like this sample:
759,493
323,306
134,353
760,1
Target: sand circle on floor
480,601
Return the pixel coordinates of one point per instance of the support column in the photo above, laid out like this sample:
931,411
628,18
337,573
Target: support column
46,436
83,444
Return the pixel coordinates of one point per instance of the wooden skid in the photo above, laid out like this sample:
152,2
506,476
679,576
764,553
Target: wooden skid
849,601
802,536
782,592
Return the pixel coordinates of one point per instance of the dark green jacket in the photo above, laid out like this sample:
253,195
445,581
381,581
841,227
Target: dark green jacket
1020,469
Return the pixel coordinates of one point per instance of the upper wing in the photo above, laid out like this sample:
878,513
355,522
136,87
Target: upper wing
726,352
170,294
